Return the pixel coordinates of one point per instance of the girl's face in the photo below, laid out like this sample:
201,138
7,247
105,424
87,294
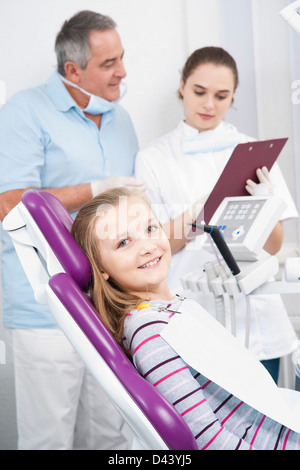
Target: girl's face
207,95
134,250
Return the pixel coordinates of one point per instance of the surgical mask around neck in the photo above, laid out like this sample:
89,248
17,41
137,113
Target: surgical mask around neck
96,104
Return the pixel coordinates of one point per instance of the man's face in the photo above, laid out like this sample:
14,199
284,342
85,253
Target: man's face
105,69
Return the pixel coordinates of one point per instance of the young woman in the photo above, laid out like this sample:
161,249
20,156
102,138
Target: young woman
130,256
181,168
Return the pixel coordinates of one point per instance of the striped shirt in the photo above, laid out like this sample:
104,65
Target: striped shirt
217,419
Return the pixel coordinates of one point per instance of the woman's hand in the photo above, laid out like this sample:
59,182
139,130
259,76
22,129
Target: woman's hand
265,186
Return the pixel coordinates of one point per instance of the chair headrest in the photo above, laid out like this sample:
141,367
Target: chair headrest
55,223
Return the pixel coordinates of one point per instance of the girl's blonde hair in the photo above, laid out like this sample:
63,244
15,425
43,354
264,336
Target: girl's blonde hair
110,300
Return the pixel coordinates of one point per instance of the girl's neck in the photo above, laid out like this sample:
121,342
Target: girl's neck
162,293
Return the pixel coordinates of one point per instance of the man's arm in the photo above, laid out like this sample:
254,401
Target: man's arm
72,197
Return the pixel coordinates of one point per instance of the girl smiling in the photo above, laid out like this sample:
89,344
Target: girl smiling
130,256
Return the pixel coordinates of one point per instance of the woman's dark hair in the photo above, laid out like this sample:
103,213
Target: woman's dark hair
209,55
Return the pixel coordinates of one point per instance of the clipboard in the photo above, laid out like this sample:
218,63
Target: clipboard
242,165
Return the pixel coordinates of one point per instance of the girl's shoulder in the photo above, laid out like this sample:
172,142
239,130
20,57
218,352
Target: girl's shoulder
164,309
148,317
141,319
145,311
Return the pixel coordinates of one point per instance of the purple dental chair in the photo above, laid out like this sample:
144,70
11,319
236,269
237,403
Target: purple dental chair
58,272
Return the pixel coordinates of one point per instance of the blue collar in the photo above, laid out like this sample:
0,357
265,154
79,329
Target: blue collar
58,93
62,99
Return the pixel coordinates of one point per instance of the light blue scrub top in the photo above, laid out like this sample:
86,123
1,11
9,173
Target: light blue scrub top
47,142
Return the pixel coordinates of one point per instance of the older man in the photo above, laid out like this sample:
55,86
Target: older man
69,137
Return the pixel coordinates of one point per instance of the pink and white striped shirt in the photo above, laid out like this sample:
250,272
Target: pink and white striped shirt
217,419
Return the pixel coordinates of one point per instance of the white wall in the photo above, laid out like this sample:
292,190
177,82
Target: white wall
157,36
273,84
153,36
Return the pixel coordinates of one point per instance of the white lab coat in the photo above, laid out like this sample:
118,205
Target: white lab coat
175,181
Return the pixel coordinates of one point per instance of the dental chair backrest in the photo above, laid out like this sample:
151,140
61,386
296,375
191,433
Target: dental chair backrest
59,272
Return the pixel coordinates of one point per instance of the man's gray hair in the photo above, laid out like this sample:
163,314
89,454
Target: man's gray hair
72,41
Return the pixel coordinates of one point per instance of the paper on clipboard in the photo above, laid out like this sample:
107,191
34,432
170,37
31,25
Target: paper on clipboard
242,165
209,348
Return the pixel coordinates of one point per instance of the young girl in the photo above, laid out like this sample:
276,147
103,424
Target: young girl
130,256
193,157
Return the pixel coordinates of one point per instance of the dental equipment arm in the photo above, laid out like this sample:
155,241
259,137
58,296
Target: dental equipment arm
221,244
291,14
239,229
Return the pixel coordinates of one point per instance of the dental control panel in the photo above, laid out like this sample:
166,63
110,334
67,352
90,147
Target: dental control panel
246,223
